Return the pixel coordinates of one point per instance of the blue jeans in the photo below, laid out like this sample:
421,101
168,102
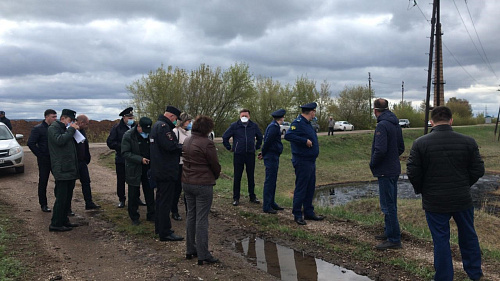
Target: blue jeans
388,194
439,225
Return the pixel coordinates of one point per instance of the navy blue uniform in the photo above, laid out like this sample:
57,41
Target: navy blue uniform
114,142
304,162
38,143
271,151
246,139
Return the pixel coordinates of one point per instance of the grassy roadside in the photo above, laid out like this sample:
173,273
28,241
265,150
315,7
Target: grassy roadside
10,267
345,158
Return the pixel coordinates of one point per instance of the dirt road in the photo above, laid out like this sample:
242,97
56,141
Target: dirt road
98,251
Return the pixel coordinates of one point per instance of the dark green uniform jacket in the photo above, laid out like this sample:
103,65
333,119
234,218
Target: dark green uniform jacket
131,152
62,149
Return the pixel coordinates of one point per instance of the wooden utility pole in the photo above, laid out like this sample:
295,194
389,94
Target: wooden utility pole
429,70
370,90
402,91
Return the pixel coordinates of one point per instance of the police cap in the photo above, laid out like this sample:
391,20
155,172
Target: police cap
127,112
145,124
173,110
309,106
278,113
70,113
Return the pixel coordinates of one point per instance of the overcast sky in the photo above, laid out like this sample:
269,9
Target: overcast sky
82,54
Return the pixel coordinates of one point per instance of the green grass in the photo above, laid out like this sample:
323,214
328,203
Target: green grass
10,267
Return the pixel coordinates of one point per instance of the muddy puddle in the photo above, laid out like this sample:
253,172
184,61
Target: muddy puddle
287,264
340,194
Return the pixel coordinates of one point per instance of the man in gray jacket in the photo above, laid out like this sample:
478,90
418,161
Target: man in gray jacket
64,164
442,166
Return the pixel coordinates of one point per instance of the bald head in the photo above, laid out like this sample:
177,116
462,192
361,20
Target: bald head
83,121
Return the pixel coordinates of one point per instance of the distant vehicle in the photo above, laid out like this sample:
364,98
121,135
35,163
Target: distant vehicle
11,153
315,125
284,127
211,135
343,126
405,123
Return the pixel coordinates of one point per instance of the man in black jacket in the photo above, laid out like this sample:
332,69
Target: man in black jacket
114,142
83,153
38,144
5,120
165,155
442,166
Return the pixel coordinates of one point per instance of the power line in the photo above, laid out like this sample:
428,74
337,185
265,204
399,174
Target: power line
479,40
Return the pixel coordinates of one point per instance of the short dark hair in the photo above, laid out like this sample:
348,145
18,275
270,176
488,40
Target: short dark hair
245,110
48,112
381,105
441,113
203,125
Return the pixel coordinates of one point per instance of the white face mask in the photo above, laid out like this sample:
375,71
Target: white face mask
244,119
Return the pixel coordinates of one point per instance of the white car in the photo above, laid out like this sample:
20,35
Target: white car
405,123
11,153
284,127
211,135
343,126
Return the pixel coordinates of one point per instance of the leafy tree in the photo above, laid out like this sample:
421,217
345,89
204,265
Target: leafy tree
460,107
353,105
304,92
405,110
324,103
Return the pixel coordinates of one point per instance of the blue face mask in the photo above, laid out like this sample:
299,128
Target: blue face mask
175,122
130,122
144,135
189,126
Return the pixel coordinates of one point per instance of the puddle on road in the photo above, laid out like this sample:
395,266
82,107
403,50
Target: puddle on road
340,194
288,264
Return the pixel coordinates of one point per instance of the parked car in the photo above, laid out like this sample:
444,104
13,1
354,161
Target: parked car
343,126
405,123
284,127
11,153
211,135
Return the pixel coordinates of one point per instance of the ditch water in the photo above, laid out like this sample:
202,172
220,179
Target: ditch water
340,194
288,264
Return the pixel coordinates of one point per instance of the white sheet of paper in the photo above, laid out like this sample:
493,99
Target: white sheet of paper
79,138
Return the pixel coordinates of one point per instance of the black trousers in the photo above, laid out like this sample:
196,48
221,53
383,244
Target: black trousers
239,163
120,181
330,129
43,179
64,193
133,197
177,192
164,198
85,181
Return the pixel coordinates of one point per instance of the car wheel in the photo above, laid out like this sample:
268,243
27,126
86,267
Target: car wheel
19,170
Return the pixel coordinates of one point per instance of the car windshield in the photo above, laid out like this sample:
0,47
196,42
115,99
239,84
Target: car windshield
5,134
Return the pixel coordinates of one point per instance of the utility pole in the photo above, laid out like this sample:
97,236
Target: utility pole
429,70
370,90
402,91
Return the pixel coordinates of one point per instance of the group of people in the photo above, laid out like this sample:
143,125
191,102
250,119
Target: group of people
442,167
175,153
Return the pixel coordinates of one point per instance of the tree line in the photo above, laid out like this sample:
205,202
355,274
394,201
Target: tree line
221,93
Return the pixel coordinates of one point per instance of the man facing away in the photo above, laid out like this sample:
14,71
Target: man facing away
84,158
442,166
39,145
271,151
387,145
305,149
64,162
165,156
247,138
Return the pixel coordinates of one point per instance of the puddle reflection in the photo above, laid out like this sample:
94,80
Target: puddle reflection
287,264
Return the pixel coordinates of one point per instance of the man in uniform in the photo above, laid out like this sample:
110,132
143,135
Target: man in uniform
247,138
5,120
64,162
114,141
83,151
387,145
38,144
271,151
165,156
305,149
136,151
442,166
